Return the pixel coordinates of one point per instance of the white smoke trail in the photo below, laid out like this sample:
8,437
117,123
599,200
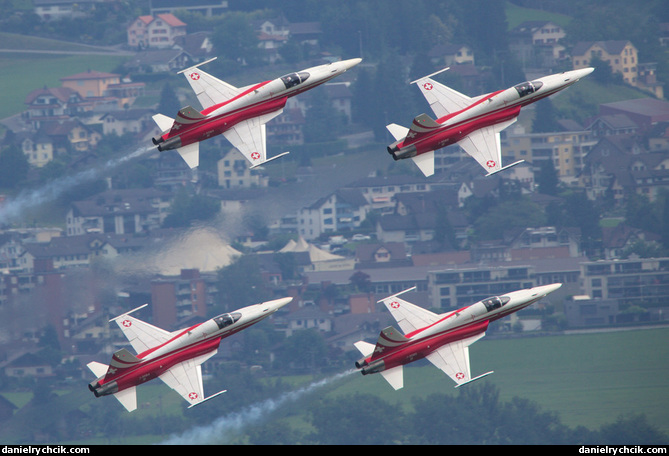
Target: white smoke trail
217,432
13,208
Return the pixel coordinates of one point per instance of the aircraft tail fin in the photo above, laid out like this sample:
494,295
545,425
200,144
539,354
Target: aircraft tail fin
389,339
120,362
185,118
421,125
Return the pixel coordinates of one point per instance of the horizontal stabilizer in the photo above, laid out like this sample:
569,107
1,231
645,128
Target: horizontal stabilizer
365,348
398,131
164,123
190,154
395,377
425,162
128,398
98,369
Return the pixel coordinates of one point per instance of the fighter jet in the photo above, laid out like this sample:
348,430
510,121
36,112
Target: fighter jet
174,357
442,339
472,123
239,114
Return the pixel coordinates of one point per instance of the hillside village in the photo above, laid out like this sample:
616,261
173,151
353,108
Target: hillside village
343,250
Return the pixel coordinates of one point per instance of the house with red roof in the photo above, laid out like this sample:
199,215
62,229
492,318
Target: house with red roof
157,31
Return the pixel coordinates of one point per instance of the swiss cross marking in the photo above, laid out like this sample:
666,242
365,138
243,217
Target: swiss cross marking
490,163
427,86
192,396
255,155
127,323
195,76
460,376
395,305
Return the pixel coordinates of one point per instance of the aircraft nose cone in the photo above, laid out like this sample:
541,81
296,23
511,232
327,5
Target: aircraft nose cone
583,72
348,64
547,289
277,304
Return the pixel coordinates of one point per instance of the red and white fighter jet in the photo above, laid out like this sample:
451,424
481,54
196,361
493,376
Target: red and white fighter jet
174,357
239,114
442,339
472,123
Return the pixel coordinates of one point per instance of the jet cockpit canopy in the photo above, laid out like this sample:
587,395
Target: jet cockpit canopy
227,319
293,79
495,302
528,87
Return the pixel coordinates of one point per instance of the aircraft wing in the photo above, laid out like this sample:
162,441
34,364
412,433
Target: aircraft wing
484,146
209,89
443,100
453,360
186,379
141,335
250,138
409,317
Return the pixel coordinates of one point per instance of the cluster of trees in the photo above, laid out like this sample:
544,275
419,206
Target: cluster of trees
473,415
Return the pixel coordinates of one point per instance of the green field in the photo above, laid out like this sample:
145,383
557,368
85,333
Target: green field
21,74
516,15
588,379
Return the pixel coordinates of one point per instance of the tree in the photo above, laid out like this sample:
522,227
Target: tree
186,209
305,349
508,215
545,119
375,422
235,40
322,123
547,180
632,429
360,281
241,284
169,103
13,167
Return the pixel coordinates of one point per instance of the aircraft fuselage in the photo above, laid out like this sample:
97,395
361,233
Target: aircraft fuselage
487,110
458,325
255,101
190,343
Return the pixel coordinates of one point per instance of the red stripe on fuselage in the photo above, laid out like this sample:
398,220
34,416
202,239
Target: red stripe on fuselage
476,103
429,141
155,368
418,349
213,108
128,376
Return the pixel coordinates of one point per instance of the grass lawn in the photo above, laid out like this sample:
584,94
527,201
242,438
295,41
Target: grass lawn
21,74
516,15
588,379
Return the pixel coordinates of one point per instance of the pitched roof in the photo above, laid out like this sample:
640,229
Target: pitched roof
611,47
90,75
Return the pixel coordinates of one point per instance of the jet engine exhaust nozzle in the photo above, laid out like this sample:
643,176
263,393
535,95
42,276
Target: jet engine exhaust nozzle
373,368
172,143
104,390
